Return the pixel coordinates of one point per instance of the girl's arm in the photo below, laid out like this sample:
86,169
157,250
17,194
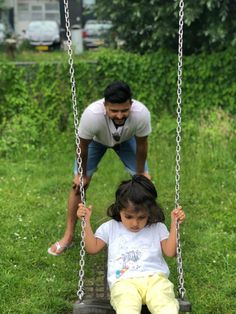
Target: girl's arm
93,245
169,245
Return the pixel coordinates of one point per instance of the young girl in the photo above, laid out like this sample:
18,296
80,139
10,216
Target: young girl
136,237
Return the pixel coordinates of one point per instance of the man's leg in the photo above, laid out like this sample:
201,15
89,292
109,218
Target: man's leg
66,241
127,154
73,201
95,153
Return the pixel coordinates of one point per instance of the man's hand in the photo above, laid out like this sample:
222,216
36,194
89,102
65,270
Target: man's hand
145,174
76,183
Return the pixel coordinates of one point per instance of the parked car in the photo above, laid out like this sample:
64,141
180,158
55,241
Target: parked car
43,34
95,33
2,33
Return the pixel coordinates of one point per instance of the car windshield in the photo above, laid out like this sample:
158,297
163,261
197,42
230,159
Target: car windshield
98,25
42,26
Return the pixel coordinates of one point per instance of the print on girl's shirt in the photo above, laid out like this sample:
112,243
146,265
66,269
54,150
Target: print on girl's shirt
128,261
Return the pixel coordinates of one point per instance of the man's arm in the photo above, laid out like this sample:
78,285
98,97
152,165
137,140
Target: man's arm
141,154
84,156
84,153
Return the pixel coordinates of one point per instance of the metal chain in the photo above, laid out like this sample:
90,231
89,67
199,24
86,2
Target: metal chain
181,288
80,291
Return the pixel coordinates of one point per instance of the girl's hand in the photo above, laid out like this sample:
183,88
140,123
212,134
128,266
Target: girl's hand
178,214
84,212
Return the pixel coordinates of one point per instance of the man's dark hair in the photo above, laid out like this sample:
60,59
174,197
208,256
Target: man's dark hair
117,92
141,194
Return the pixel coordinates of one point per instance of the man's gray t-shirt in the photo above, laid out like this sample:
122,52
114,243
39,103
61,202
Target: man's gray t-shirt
95,124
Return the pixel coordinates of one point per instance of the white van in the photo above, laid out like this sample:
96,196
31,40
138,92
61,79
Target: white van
43,34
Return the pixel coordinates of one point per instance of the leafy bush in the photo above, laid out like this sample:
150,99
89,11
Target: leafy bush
21,133
14,92
209,25
208,80
35,102
41,92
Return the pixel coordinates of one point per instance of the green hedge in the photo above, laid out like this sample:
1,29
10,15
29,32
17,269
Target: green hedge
35,100
208,80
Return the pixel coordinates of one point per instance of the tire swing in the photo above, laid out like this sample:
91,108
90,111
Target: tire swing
98,300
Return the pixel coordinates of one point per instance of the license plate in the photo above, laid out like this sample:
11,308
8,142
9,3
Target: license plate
99,42
42,48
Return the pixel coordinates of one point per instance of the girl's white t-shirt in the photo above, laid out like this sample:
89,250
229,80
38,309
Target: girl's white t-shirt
95,124
133,254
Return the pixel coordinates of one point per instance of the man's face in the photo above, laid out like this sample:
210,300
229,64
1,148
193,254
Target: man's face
118,112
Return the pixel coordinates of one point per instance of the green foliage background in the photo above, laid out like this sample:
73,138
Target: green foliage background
35,100
209,25
36,157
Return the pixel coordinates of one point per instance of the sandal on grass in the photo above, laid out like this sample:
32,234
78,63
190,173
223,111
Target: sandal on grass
59,248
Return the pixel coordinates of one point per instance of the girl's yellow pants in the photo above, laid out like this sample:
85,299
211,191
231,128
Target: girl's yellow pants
128,295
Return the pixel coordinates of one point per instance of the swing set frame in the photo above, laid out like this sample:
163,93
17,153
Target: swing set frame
102,305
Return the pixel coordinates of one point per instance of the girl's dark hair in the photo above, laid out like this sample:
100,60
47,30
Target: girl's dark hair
142,194
117,92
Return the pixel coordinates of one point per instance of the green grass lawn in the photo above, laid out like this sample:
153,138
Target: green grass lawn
34,190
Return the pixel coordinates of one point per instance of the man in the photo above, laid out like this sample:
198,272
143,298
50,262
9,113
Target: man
118,122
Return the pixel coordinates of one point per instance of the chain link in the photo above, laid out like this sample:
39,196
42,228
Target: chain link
181,288
80,291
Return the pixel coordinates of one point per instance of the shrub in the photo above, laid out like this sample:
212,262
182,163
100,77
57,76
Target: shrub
41,92
20,133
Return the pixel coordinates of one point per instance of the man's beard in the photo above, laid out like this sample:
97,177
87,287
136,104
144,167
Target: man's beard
119,124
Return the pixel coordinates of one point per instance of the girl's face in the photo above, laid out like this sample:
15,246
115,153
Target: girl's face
132,220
